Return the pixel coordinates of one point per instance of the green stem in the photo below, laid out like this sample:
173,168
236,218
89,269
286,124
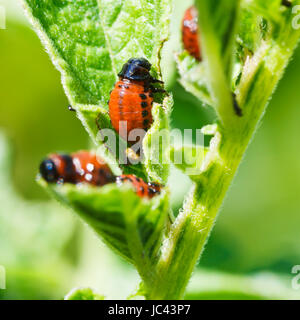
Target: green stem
192,227
218,82
217,73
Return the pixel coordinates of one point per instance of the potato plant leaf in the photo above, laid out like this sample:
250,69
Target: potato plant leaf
89,41
189,159
192,77
157,141
130,225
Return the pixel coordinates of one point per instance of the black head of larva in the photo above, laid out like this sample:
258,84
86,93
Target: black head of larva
286,3
48,171
136,69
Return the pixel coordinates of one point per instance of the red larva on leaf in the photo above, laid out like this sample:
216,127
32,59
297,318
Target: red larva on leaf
86,167
143,189
79,167
190,36
132,98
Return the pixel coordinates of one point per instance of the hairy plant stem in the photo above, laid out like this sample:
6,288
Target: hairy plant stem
191,229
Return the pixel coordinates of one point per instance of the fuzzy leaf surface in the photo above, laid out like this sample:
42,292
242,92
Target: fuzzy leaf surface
133,227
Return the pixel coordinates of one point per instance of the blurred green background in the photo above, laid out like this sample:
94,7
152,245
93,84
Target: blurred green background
46,251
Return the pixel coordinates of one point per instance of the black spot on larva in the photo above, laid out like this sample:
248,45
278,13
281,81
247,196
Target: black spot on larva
145,122
144,104
120,86
69,167
142,189
143,96
152,191
110,177
153,184
145,113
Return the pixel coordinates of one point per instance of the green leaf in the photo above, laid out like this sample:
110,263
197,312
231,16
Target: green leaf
189,159
210,80
156,143
219,33
193,77
249,32
83,294
261,23
195,160
269,9
217,24
89,41
130,225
